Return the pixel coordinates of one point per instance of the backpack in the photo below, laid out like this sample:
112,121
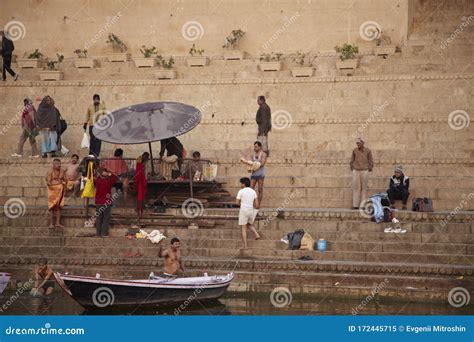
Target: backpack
424,204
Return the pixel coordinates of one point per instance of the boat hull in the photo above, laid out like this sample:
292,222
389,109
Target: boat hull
94,293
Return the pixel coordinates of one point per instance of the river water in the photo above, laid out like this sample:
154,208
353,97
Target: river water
231,304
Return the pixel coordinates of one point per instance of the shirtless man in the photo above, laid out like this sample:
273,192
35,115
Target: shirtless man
73,177
173,261
44,284
56,181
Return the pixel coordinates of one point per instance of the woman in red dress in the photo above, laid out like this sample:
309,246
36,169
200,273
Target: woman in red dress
140,182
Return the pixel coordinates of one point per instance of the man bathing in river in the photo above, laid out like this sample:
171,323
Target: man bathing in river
44,284
173,262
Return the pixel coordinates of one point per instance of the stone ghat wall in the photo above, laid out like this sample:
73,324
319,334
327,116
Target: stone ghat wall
400,117
173,26
404,119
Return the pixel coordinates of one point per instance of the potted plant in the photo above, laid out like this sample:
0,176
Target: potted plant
304,60
149,57
232,42
196,59
383,45
167,72
51,71
347,54
82,61
33,61
119,49
270,61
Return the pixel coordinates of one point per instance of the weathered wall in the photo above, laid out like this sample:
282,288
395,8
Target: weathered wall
65,25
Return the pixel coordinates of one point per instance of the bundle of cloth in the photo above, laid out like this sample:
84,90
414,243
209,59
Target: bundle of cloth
167,165
155,236
299,239
251,165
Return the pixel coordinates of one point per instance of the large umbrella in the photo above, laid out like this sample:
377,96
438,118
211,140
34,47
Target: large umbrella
147,122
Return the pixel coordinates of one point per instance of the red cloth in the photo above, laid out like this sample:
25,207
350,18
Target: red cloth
115,165
140,181
103,189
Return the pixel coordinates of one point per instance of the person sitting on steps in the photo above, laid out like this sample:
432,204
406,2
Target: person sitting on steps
398,188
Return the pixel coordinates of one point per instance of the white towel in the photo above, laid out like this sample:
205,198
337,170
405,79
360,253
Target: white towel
155,236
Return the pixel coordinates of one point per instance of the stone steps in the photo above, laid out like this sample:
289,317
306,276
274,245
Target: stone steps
19,244
20,236
99,251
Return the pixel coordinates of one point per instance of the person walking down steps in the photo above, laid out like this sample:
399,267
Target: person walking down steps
28,130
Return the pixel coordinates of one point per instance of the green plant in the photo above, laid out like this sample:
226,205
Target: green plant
116,42
233,39
54,65
382,38
304,58
81,53
148,52
194,51
272,56
347,51
35,55
167,64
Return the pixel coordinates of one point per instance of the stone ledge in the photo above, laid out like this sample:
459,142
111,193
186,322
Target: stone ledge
283,80
306,122
289,213
264,265
288,161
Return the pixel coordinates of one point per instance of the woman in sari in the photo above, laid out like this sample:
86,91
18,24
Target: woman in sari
47,118
140,182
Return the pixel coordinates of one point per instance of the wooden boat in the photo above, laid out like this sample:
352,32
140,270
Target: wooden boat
98,293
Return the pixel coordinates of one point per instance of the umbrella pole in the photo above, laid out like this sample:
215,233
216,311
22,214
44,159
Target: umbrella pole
151,157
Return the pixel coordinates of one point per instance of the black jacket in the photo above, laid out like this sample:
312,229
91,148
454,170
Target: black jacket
399,183
172,146
7,47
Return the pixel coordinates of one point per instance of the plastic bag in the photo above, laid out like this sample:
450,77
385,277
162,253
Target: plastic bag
89,188
85,141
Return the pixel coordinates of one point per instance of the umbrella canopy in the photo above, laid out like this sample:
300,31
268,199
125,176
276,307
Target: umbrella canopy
147,122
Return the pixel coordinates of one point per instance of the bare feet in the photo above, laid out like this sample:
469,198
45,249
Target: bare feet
51,226
58,225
